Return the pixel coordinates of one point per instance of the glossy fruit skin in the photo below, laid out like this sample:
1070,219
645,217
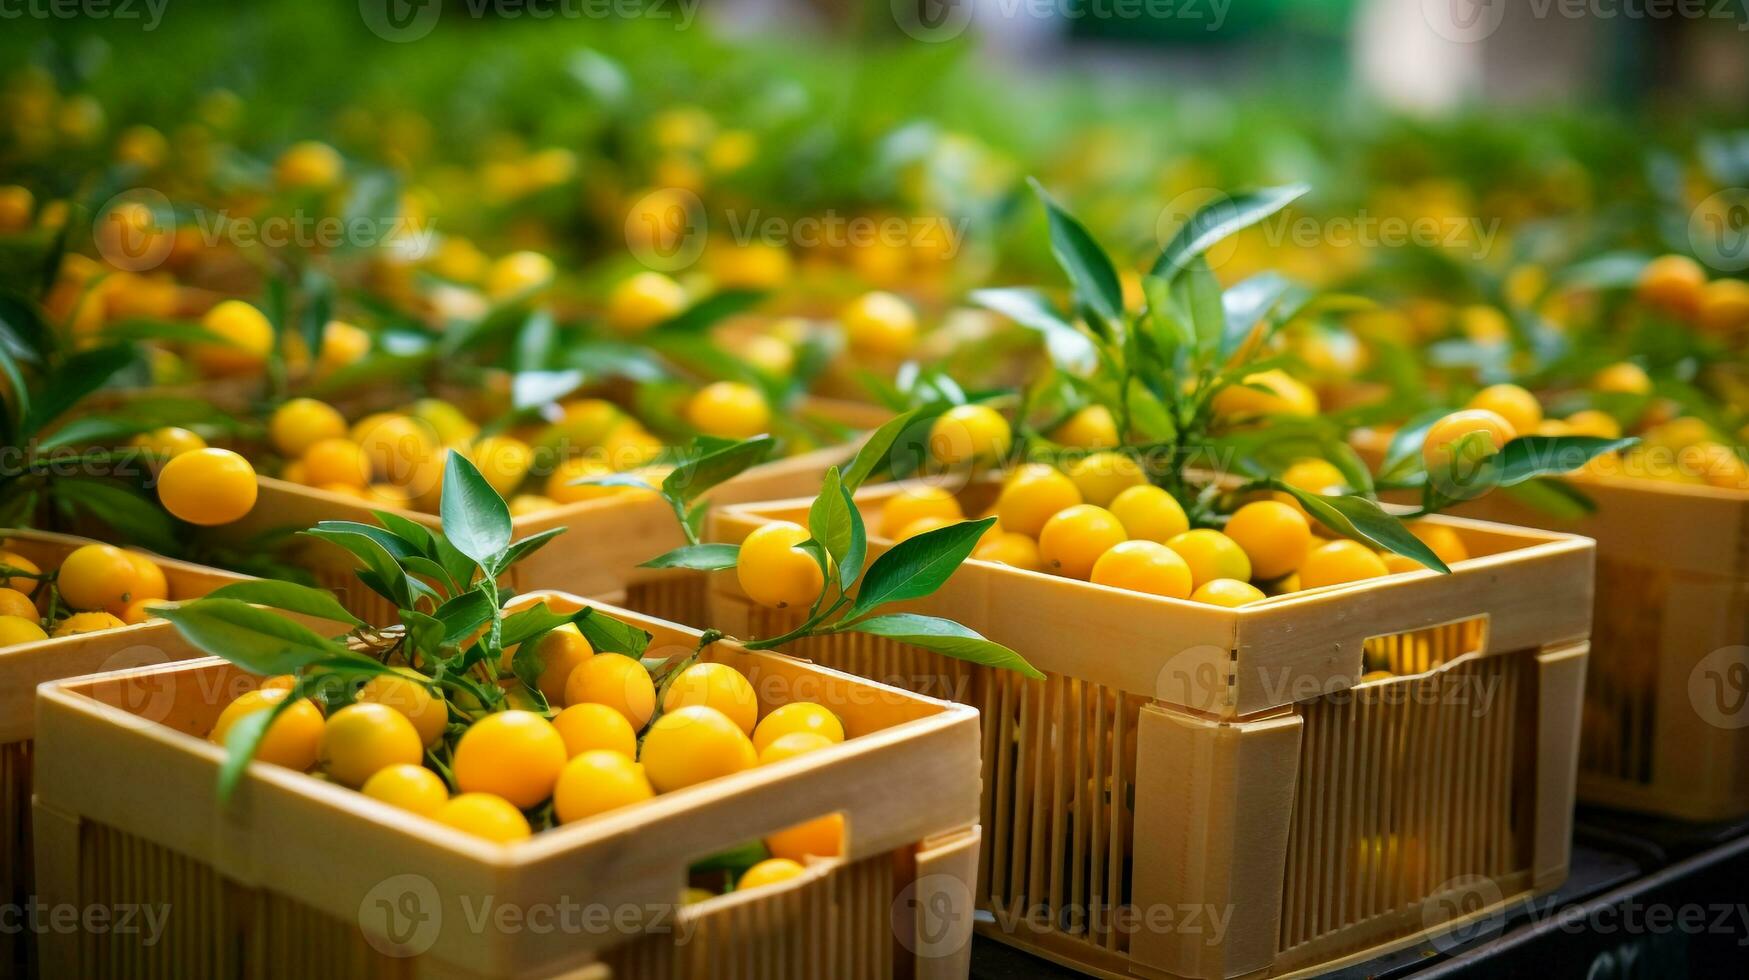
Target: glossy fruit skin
717,686
362,738
11,559
1072,540
1337,562
730,410
1226,592
1091,427
1623,377
410,787
1013,550
88,622
797,716
484,815
169,441
1275,536
1315,476
20,629
562,485
923,525
249,336
774,572
770,871
513,754
309,165
1724,306
397,447
1100,477
1143,566
293,740
1211,555
879,323
301,423
338,460
1673,284
1437,450
908,505
407,693
141,610
644,300
16,603
969,434
208,486
791,745
692,744
97,576
559,653
150,581
1517,406
597,781
1286,395
518,273
1032,495
589,726
503,461
1445,542
615,680
821,837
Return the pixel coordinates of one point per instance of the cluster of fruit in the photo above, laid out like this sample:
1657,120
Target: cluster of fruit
95,587
601,752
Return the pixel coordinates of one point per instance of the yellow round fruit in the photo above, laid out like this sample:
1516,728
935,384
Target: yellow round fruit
1102,476
150,582
301,423
1719,465
1592,422
911,503
615,680
1314,476
1673,284
169,441
518,274
1149,513
406,691
88,622
755,265
503,461
969,434
397,446
362,738
97,576
1283,394
293,740
16,205
342,344
1091,427
792,745
1623,377
559,651
643,301
1724,306
729,410
716,686
1032,495
1275,536
484,815
336,460
1520,409
880,324
409,787
308,165
589,726
246,334
597,781
1443,540
771,871
774,572
18,564
793,718
16,603
822,837
1228,592
1398,564
1211,555
1437,449
923,525
692,744
141,610
1013,550
513,754
20,629
1074,538
1336,562
208,486
562,485
1143,566
524,504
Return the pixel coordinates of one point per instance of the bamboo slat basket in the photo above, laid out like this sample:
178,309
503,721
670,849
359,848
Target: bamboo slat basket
1195,791
26,665
299,877
605,540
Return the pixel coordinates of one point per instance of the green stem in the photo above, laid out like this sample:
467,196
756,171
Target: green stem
801,631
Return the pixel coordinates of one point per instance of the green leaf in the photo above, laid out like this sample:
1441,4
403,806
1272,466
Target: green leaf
1553,497
699,557
125,509
1219,219
1089,269
82,374
709,311
1528,457
850,566
318,308
475,518
258,640
944,636
244,738
609,635
381,572
94,430
829,517
1070,349
1365,521
288,596
1245,305
918,566
463,614
529,545
875,449
1202,298
531,622
698,475
530,389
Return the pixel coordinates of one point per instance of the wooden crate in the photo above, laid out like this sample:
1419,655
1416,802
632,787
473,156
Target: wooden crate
297,876
24,666
1182,762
